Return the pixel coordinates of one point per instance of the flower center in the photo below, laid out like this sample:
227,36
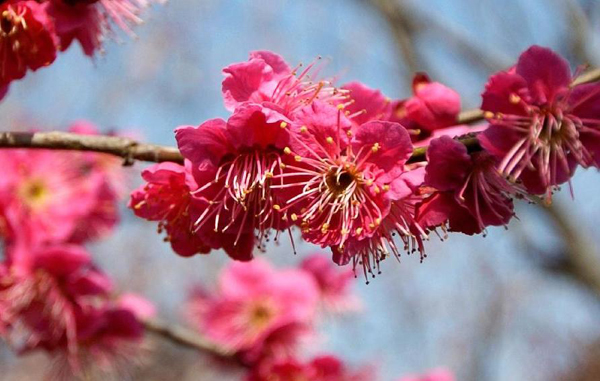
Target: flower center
339,180
260,315
34,193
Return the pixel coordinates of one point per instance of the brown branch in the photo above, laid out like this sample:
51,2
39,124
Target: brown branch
185,337
128,149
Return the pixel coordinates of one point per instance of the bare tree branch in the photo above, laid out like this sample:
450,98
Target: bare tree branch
185,337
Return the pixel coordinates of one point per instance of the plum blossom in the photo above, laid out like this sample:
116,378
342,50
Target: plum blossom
340,181
541,127
267,79
235,162
470,193
320,368
334,283
90,22
27,39
257,310
44,193
166,198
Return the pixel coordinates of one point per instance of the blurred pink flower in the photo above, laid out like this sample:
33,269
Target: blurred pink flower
256,307
334,283
44,193
321,368
541,128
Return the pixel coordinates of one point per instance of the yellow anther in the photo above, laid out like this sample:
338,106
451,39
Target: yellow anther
349,133
372,226
376,189
304,129
488,115
276,207
358,231
375,147
514,99
355,202
378,221
281,165
329,140
345,231
386,188
294,217
369,182
298,158
268,174
341,106
283,125
287,150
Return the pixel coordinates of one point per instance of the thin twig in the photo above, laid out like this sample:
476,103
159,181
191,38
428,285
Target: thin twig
184,337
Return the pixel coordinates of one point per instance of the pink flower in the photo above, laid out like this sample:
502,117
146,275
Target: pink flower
366,104
257,307
235,162
90,21
335,284
166,198
541,128
267,78
434,375
321,368
340,182
44,193
43,290
26,39
470,194
433,105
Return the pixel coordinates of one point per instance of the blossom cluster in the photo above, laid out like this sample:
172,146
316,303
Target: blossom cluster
266,318
336,163
52,296
32,32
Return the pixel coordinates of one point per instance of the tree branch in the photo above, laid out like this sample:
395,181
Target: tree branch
185,337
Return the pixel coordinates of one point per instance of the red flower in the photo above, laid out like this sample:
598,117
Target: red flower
470,193
235,162
540,127
26,39
267,78
340,183
166,198
90,21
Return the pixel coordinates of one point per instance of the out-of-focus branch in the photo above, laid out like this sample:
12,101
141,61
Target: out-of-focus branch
185,337
581,259
128,149
406,22
579,31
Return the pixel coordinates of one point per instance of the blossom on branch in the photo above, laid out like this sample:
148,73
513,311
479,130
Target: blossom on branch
541,127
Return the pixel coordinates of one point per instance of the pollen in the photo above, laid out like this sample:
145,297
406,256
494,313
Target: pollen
276,207
298,158
303,129
358,231
340,106
375,148
329,140
287,150
283,125
294,217
514,99
488,115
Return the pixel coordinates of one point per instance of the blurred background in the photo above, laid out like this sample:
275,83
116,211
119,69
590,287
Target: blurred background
519,304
